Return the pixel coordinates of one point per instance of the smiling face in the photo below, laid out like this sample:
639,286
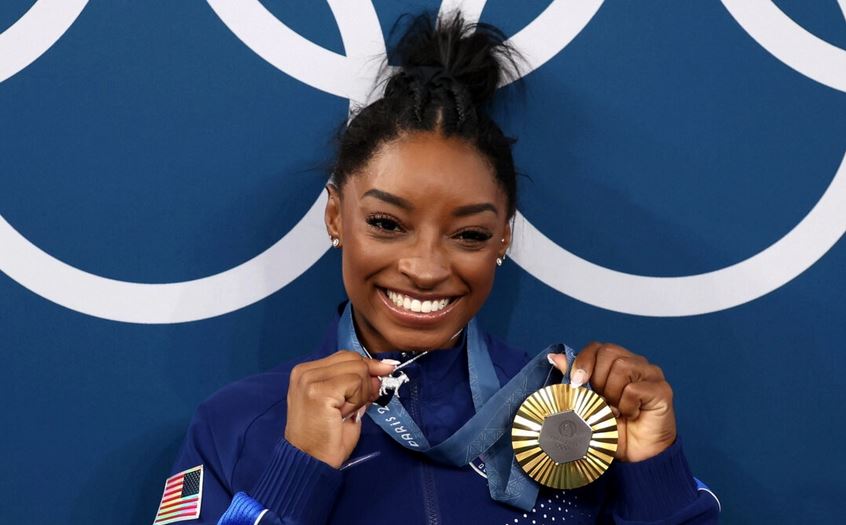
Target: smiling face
420,228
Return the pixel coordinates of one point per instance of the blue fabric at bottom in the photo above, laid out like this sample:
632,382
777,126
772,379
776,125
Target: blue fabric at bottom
243,510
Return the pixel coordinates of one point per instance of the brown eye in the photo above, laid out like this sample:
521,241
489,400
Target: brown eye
473,236
384,223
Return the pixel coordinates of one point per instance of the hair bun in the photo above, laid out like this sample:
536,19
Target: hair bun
450,50
445,76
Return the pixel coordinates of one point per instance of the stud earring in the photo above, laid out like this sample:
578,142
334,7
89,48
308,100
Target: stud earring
335,242
500,260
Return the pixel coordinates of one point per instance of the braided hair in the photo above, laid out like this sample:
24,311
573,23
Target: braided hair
448,71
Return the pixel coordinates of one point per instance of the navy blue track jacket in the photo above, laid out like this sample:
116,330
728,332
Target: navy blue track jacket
237,436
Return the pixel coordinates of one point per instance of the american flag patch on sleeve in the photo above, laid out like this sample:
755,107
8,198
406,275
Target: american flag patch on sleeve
182,497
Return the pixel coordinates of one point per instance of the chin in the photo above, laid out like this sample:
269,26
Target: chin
416,338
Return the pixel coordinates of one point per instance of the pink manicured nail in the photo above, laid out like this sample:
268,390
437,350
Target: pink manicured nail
577,378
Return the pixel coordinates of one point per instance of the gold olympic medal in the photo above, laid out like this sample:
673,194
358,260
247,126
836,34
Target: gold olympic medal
564,437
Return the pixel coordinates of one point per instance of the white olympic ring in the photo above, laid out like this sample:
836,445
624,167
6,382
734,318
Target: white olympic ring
739,283
35,32
351,76
791,43
733,285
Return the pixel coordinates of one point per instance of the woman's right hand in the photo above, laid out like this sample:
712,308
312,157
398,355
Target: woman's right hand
326,400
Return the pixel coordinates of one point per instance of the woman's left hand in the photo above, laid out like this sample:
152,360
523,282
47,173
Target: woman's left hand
639,396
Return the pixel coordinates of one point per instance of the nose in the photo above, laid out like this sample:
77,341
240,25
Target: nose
426,268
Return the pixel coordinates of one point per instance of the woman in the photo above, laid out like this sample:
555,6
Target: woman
420,203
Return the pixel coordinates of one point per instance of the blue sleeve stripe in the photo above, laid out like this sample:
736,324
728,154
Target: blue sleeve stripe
704,488
260,516
243,510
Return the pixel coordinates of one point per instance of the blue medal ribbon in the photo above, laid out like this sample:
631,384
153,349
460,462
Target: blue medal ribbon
487,433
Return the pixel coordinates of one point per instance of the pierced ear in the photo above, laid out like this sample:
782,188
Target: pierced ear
332,215
506,239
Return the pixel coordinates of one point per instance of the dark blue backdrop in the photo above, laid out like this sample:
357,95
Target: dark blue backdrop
149,143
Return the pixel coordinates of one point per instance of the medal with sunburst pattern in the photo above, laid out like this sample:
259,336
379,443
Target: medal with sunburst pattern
564,437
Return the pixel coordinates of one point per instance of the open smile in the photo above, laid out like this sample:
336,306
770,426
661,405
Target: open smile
418,309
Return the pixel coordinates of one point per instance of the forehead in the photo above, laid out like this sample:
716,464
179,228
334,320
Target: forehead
431,168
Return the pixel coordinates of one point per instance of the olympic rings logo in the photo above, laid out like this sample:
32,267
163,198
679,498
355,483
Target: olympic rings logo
350,76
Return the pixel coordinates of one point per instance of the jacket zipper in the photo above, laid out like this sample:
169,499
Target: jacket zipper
430,496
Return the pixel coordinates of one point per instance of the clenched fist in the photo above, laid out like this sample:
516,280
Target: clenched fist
326,400
639,396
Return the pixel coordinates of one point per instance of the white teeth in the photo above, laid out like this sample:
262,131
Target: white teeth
416,305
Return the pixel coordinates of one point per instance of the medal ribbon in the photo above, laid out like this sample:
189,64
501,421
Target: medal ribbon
487,433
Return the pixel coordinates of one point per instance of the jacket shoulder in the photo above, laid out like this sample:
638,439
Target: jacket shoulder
216,434
232,409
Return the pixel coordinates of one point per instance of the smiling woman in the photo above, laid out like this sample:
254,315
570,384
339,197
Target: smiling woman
420,203
421,228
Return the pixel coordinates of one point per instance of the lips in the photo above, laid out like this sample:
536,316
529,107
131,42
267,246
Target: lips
418,310
413,304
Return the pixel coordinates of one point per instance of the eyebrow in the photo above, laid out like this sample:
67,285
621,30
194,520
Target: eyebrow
473,209
461,211
390,198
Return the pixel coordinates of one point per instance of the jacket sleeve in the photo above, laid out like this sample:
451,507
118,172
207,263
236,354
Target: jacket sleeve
661,490
199,448
294,487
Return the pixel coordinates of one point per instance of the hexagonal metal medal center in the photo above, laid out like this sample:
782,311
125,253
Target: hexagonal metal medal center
565,436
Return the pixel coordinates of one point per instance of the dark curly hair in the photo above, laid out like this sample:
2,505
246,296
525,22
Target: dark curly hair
447,73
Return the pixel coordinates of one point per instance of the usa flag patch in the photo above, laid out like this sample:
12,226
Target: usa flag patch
182,497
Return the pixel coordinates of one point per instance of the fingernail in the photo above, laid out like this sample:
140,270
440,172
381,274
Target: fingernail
360,413
393,362
577,378
551,360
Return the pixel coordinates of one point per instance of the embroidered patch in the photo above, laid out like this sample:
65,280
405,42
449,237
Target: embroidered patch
182,497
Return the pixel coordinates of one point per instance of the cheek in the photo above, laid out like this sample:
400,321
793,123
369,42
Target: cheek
362,259
478,272
365,256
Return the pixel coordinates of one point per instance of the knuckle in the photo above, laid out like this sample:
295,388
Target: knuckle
619,350
589,350
301,379
312,390
305,378
630,389
624,365
361,368
638,390
352,383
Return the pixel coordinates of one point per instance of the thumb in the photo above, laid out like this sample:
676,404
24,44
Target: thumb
578,376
